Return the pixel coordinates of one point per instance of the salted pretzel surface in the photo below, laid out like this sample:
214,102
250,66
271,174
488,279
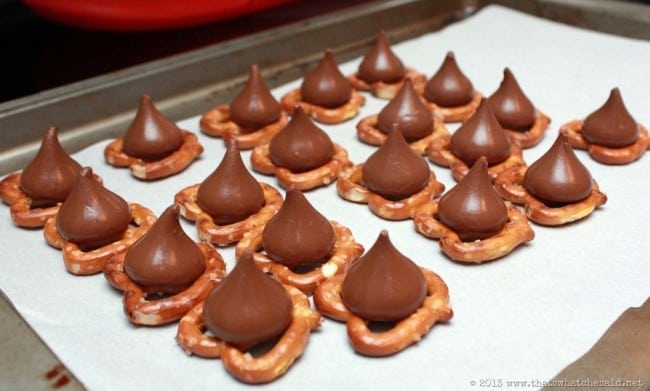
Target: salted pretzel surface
435,308
217,123
439,152
22,214
345,250
603,154
516,232
350,187
383,90
142,310
242,365
176,162
323,114
509,185
307,180
457,113
531,137
224,235
81,262
369,133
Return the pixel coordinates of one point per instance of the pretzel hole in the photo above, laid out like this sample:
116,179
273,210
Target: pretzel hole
153,296
377,326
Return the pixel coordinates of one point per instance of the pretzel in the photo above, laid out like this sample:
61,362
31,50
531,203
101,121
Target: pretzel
439,152
142,311
169,165
532,136
19,203
81,263
345,251
224,235
307,180
369,133
217,123
516,231
383,90
603,154
323,114
407,331
242,365
350,187
457,113
509,186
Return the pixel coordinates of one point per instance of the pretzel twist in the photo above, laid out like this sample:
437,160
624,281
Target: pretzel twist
383,90
217,123
439,152
224,235
22,214
242,365
457,113
323,114
369,133
79,262
603,154
167,166
516,232
307,180
153,312
350,187
531,137
509,185
345,251
406,332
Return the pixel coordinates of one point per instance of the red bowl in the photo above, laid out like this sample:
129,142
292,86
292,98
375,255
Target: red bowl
142,15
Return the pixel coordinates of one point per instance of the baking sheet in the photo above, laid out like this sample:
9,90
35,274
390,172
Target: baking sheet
524,317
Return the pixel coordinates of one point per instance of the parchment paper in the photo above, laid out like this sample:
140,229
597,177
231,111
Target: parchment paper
522,318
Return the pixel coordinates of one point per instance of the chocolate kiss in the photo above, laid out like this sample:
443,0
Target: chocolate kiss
558,177
48,178
394,170
254,107
408,112
230,193
151,136
92,216
325,85
449,87
481,135
472,208
383,285
510,105
165,259
611,125
381,63
247,307
301,145
298,234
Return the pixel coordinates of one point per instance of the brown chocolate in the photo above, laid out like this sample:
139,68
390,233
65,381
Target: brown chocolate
48,178
481,135
230,193
247,307
381,63
165,259
510,105
472,208
611,125
325,85
383,284
298,234
151,136
254,107
408,112
301,145
394,170
449,87
92,216
558,177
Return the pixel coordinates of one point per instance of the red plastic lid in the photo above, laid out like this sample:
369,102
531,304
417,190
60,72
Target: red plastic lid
141,15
